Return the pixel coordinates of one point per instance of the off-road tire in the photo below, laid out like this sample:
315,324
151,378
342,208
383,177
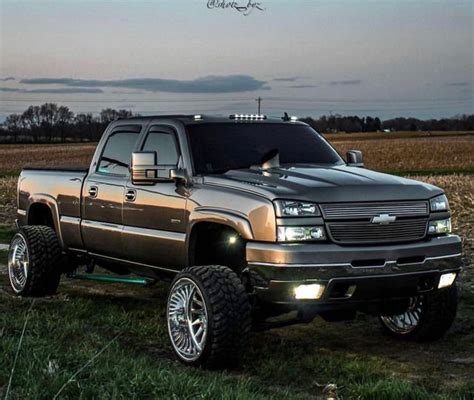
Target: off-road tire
438,314
44,256
229,315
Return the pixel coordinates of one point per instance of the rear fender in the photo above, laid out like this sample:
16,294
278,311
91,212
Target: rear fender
52,204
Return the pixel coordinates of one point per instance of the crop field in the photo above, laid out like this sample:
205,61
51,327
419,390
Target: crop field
95,340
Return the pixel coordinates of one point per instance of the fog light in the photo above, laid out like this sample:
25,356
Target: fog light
232,239
307,292
446,280
439,226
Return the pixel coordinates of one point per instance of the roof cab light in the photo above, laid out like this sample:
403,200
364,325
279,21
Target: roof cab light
248,116
439,203
293,118
198,117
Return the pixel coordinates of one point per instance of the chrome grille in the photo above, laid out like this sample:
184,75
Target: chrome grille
365,232
348,211
351,223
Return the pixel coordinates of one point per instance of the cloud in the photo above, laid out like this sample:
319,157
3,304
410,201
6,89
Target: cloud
462,84
208,84
348,82
8,78
302,86
52,91
290,79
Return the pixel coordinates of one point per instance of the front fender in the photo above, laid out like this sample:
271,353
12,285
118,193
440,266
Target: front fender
233,219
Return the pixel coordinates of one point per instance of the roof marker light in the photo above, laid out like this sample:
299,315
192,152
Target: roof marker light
293,118
248,116
197,117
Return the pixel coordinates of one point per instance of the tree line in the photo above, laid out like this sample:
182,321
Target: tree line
50,123
339,123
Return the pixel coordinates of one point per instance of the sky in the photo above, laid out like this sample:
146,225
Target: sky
382,58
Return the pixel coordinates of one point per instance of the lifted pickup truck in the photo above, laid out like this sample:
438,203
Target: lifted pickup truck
249,218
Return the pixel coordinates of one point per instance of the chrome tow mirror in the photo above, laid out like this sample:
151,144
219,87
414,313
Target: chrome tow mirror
355,158
145,169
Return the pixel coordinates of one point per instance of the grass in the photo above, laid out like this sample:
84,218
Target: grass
66,331
3,256
6,233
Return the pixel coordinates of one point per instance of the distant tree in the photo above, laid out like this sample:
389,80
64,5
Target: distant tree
65,118
31,121
13,125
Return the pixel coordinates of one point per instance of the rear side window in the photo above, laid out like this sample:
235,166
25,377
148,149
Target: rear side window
117,153
164,144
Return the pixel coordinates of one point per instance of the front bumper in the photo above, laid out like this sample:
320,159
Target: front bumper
351,274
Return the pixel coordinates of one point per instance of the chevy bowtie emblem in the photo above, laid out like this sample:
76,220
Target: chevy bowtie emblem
384,219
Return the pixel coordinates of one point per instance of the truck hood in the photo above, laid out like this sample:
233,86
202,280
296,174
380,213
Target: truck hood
324,184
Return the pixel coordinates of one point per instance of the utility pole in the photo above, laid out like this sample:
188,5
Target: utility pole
259,101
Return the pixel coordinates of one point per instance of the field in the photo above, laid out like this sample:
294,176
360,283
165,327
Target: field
98,341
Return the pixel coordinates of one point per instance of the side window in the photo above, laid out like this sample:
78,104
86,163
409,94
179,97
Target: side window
117,153
165,146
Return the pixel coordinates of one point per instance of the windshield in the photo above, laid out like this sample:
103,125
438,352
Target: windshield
218,147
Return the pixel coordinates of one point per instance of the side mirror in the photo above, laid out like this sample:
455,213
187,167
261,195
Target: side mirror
355,158
145,169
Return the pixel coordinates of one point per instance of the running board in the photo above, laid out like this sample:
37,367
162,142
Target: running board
113,279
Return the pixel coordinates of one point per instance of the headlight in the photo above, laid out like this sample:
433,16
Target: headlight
300,233
439,203
287,208
439,226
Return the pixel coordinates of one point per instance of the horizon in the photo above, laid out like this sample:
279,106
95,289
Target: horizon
385,59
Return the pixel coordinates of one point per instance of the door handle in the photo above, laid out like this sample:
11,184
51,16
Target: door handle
131,195
93,190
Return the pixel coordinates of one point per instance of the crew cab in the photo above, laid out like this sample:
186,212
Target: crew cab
248,217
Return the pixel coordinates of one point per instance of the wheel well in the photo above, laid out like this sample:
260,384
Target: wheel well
216,244
40,214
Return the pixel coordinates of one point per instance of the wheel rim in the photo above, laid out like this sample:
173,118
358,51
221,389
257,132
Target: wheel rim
187,319
18,263
408,321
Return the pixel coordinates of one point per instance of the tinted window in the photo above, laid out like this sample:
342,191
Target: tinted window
117,153
222,146
165,146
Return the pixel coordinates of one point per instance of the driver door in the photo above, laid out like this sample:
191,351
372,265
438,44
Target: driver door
155,216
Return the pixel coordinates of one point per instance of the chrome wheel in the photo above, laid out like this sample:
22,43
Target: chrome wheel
18,263
408,321
187,319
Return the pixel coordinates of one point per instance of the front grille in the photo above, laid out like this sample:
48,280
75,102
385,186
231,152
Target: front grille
366,232
351,223
347,211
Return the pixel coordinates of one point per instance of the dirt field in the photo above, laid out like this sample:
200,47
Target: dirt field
352,359
403,151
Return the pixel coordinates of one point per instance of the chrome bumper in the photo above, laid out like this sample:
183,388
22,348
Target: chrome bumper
276,269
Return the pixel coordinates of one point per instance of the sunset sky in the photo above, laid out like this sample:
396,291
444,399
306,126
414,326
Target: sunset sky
382,58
